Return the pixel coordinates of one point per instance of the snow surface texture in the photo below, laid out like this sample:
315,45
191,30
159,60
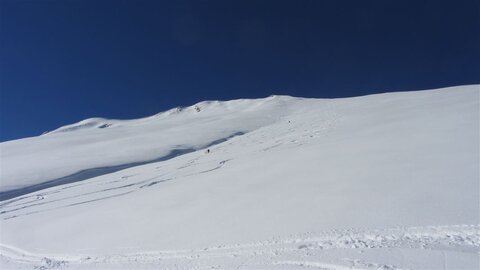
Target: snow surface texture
387,181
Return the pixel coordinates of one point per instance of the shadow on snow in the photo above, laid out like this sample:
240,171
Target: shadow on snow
94,172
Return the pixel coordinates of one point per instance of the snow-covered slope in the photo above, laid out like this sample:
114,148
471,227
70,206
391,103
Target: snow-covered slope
388,180
99,143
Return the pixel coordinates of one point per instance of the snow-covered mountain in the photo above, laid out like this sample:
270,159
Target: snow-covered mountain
375,182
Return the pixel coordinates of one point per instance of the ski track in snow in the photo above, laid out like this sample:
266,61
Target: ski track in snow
426,247
94,172
304,251
91,190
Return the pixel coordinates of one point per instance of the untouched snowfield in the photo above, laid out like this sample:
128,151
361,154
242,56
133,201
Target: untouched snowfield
388,181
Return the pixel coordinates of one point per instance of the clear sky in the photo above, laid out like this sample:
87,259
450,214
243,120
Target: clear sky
62,61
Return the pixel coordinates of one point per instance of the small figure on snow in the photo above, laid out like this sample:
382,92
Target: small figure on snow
208,151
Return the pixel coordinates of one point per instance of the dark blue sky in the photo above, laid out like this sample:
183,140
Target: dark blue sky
64,61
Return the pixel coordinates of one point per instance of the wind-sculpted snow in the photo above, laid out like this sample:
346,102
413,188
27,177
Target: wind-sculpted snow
387,181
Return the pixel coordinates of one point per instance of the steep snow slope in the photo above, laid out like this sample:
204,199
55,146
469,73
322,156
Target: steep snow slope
381,181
